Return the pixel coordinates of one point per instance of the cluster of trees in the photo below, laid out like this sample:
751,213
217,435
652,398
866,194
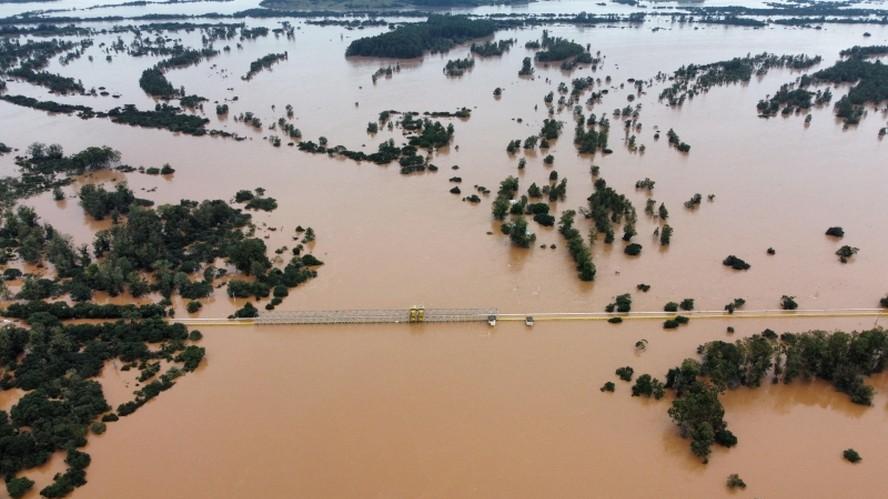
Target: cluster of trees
263,62
439,33
154,82
559,49
255,200
490,49
591,135
99,203
789,99
839,358
607,208
693,79
578,249
870,79
458,67
44,167
163,116
526,67
622,304
168,245
56,365
676,142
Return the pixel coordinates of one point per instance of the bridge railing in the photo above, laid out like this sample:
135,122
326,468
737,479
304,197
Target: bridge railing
375,316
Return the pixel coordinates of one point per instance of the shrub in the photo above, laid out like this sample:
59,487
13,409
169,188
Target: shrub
835,232
735,482
788,303
17,487
608,387
735,263
625,373
851,456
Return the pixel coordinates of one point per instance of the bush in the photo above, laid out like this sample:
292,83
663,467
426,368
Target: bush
735,263
608,387
835,232
788,303
671,307
851,456
615,320
193,307
687,304
632,249
246,311
735,482
625,373
670,324
17,487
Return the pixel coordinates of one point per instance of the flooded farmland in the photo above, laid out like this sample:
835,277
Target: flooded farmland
451,410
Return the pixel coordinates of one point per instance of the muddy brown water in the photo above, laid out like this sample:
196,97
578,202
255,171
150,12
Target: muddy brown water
464,410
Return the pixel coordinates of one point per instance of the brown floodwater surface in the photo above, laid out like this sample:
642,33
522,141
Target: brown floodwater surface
469,411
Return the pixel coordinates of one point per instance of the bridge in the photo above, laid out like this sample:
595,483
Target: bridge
419,314
383,316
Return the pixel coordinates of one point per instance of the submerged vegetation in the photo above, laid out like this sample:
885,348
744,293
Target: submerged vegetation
839,358
439,33
692,80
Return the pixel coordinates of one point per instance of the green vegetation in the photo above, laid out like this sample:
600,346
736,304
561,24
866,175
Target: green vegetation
55,365
458,67
835,232
578,249
491,49
839,358
648,386
851,456
622,303
846,252
788,303
607,208
735,482
163,116
869,79
676,142
263,62
558,49
99,203
625,373
735,263
608,387
43,168
437,34
526,67
691,80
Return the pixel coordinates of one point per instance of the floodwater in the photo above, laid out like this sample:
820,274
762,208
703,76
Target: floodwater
467,411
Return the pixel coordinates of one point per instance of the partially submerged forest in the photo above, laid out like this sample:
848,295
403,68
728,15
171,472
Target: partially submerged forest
157,254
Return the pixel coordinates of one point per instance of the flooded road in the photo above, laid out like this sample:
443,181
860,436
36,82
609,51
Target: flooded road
464,410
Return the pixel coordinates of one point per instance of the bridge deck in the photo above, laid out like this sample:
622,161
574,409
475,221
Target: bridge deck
382,316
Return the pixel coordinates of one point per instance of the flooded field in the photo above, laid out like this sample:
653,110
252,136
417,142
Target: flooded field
468,410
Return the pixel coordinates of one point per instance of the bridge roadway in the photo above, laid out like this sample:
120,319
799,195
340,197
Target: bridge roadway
402,316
